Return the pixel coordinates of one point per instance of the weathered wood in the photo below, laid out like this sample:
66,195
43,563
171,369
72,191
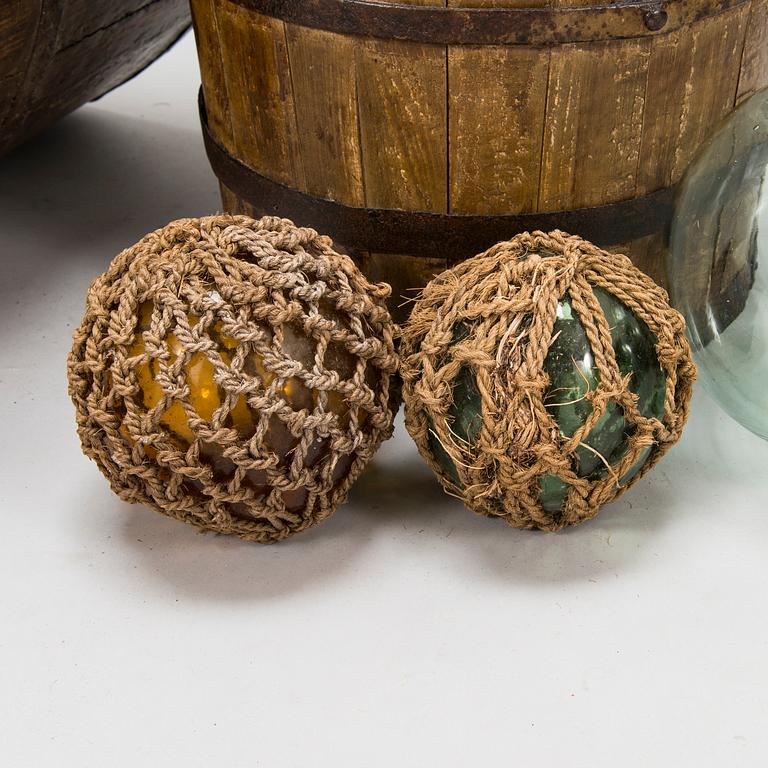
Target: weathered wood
401,96
496,94
260,93
57,54
323,75
18,27
669,77
754,65
594,121
650,252
18,24
402,109
516,25
83,19
691,84
710,93
211,62
477,129
233,204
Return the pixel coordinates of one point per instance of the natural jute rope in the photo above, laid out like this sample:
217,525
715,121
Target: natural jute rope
298,344
506,301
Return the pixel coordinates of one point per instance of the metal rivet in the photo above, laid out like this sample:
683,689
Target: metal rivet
655,19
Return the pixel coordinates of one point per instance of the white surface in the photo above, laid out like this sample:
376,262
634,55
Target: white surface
403,632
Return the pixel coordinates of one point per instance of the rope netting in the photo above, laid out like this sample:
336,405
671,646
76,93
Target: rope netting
487,326
234,374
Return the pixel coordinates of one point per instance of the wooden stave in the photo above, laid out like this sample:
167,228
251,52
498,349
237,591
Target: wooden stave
744,29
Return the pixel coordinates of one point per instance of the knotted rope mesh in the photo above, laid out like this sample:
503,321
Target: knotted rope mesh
493,316
234,374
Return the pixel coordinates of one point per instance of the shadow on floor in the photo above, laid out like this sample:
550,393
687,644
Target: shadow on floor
398,507
99,178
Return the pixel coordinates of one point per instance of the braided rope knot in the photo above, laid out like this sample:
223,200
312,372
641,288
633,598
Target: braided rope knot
235,374
543,377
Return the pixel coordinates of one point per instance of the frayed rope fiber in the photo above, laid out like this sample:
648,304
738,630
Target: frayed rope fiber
234,374
490,321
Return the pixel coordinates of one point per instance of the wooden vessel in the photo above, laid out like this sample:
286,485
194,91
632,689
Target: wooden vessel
419,132
55,55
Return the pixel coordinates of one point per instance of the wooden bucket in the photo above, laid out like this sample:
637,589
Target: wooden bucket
57,54
420,132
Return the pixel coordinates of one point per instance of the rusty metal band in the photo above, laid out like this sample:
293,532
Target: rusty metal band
439,25
450,236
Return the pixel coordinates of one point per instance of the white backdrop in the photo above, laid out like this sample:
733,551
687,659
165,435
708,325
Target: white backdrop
403,632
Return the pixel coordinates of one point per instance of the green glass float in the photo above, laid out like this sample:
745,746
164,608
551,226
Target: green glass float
573,374
542,377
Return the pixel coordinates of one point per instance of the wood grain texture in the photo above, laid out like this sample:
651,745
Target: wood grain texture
595,102
711,83
18,27
325,91
649,253
403,128
497,100
669,77
402,107
231,203
404,138
82,18
208,40
482,129
497,104
754,64
401,91
61,60
260,93
133,43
